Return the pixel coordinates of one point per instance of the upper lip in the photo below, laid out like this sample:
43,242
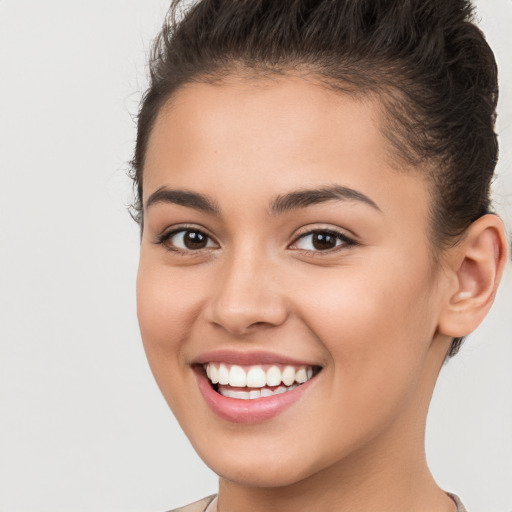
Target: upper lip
248,358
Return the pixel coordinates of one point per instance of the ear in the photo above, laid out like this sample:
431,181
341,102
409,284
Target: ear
475,267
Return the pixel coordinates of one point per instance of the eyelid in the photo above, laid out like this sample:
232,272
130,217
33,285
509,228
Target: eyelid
348,240
316,227
162,237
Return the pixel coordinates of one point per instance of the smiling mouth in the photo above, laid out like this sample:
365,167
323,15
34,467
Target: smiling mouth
256,381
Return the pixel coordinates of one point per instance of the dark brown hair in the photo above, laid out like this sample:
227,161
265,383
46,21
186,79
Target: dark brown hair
426,61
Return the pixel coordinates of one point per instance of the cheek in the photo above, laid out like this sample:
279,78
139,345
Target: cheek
351,304
165,310
376,324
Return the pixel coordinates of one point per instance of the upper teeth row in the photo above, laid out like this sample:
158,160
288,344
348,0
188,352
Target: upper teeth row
256,376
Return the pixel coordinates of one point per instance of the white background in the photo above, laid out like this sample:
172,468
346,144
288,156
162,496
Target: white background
82,424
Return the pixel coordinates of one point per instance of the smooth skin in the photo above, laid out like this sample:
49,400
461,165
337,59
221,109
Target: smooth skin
376,313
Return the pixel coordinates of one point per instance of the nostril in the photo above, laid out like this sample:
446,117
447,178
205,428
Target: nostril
240,323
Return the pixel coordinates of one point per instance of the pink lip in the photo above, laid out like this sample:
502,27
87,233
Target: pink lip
247,358
247,411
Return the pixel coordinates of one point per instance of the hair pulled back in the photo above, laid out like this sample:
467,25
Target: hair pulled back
426,61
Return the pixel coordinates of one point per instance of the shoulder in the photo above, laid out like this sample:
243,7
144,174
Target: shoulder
197,506
456,499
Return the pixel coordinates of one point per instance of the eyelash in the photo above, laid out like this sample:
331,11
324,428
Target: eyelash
164,237
345,240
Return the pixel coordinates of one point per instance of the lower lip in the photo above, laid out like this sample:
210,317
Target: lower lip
248,411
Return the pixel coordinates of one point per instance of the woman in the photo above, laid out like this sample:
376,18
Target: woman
317,238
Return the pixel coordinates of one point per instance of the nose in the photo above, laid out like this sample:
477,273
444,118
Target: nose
247,295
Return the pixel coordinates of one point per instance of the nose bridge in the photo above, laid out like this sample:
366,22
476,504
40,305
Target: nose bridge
247,291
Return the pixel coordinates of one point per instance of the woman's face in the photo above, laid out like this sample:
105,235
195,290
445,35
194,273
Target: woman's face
280,246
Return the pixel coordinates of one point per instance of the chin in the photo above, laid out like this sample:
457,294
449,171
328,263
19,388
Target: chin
261,468
268,475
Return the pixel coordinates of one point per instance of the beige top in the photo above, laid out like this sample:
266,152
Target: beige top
209,504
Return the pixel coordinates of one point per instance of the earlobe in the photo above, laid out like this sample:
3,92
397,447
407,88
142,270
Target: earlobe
477,264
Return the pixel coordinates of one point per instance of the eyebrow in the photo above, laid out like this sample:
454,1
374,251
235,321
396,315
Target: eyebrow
184,198
280,204
307,197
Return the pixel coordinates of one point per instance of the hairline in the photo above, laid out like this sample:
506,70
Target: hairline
241,72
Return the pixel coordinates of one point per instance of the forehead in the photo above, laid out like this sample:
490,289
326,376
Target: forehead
279,115
274,135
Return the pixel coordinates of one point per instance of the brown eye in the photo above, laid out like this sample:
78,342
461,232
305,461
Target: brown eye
321,241
194,240
188,240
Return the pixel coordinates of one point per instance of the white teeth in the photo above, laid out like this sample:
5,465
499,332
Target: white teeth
232,393
214,373
273,376
301,376
237,377
256,377
254,393
223,374
288,375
